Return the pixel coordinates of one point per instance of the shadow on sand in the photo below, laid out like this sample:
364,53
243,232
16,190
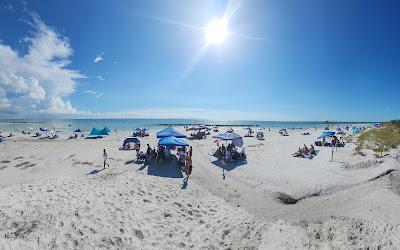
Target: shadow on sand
231,165
95,171
171,170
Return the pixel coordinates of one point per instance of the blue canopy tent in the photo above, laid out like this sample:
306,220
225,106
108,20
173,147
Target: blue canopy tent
168,132
172,141
94,132
326,134
43,129
104,131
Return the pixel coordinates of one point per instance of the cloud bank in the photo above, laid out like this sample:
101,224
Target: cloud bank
38,81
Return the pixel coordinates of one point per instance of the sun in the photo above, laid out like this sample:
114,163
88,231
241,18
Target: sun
216,31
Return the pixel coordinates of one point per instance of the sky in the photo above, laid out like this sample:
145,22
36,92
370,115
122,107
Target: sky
306,60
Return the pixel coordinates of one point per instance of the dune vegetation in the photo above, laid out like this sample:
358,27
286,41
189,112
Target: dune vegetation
381,139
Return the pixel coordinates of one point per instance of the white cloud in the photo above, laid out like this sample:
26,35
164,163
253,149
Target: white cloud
40,79
99,57
59,107
192,113
96,94
100,78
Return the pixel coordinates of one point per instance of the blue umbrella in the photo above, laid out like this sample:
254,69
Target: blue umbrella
170,131
78,131
172,141
227,136
43,129
326,134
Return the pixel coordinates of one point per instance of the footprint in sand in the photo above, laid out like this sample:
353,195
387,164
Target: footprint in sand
25,165
138,234
5,161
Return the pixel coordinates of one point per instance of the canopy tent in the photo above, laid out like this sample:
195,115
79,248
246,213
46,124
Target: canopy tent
43,129
131,140
326,134
168,132
172,141
236,139
104,131
94,131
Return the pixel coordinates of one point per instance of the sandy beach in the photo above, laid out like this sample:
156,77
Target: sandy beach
54,194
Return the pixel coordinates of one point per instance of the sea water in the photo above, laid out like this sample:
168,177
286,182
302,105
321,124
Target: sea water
153,124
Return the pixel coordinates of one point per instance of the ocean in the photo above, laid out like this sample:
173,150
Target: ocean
153,124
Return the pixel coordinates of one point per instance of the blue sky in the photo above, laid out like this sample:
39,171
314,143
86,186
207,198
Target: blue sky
281,60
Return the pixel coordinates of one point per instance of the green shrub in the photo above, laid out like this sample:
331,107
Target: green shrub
381,139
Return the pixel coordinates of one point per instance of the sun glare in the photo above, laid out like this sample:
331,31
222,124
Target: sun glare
216,31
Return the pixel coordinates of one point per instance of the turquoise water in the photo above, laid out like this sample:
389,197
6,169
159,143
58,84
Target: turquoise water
130,124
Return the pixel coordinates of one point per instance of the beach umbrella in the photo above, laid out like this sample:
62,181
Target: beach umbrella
138,129
326,134
172,141
227,136
43,129
78,131
170,131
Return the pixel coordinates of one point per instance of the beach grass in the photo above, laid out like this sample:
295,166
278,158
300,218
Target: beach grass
381,139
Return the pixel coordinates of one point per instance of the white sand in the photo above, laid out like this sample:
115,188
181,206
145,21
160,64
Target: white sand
54,196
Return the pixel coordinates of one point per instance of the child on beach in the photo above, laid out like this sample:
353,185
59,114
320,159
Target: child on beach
105,159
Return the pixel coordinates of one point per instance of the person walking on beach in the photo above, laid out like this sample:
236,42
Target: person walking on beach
188,166
105,159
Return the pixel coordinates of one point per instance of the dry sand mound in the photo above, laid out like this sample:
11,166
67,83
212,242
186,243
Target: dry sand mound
334,233
121,210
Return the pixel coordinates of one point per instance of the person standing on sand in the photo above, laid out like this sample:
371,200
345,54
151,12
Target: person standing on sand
188,166
105,159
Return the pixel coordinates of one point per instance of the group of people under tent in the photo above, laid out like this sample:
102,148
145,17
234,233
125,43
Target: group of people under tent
162,155
229,153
